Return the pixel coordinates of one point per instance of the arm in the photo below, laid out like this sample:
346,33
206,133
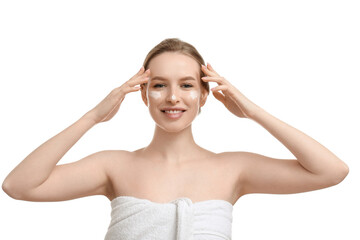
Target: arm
310,154
38,166
315,166
38,178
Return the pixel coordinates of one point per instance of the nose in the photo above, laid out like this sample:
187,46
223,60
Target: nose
172,96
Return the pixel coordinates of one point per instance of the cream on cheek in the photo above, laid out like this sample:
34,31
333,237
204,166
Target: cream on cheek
194,94
155,94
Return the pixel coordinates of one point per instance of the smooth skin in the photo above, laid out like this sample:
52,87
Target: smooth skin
315,167
38,178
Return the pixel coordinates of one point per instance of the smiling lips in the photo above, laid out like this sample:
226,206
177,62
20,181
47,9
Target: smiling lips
173,109
173,114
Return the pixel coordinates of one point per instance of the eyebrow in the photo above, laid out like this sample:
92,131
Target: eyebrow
181,79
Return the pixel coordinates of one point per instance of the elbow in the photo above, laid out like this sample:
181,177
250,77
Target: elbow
11,191
345,172
339,174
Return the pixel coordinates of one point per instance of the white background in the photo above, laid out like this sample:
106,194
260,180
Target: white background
298,60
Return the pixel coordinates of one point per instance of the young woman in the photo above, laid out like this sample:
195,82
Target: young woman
173,188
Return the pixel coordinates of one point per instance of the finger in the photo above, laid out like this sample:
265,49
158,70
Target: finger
140,71
134,89
144,77
138,74
141,80
146,74
209,72
127,89
219,88
219,96
211,68
218,80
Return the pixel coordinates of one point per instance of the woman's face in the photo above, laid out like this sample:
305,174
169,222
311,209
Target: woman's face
174,83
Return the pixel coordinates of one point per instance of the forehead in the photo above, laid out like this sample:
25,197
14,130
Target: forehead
174,65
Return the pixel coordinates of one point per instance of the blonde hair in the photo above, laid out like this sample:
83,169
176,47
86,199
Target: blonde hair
179,46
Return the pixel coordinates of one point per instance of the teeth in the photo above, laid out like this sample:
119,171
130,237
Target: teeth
175,111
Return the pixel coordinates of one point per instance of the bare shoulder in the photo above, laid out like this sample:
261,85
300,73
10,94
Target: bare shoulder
113,158
235,159
240,157
236,154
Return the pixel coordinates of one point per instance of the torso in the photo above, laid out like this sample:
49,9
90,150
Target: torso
206,176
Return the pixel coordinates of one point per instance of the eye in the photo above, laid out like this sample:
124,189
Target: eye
156,85
189,85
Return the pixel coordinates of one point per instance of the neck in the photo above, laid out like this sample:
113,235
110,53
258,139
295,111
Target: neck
172,147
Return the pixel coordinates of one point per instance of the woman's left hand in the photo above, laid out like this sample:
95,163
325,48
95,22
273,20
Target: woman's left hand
233,100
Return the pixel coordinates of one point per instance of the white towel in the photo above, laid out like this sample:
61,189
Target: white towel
141,219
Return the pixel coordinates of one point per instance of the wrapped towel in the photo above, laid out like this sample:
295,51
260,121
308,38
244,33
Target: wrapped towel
141,219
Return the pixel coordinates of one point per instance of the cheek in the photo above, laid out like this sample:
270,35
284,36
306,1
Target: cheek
193,95
154,95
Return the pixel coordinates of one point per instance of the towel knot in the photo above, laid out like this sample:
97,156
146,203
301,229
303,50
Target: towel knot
185,218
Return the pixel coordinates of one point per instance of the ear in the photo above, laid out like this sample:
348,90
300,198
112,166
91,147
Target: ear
203,97
144,94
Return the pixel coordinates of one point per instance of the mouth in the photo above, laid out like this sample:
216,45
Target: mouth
172,111
173,114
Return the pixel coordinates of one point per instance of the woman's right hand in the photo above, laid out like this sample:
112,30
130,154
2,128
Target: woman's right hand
109,106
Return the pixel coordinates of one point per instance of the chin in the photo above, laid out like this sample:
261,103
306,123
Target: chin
173,129
173,126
